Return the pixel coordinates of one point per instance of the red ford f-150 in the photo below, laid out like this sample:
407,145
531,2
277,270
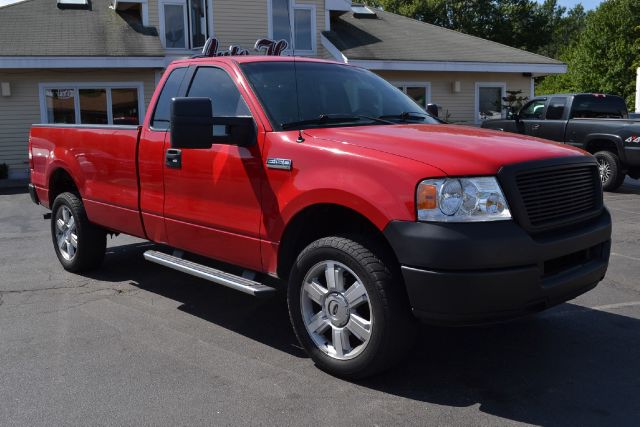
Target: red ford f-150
325,180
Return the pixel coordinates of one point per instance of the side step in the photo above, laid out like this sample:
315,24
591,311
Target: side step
202,271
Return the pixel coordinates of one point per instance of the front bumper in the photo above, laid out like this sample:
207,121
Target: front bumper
466,273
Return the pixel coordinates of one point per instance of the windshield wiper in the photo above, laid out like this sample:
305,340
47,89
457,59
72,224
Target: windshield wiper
406,115
332,118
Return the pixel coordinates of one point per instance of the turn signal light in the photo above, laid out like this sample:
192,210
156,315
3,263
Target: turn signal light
427,197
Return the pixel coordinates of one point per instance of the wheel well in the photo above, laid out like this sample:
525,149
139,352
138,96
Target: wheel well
61,182
324,220
602,145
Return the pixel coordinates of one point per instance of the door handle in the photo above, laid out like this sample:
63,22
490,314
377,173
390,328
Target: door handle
173,158
535,127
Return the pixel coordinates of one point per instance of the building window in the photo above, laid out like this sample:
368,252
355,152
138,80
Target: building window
92,103
299,20
184,23
420,92
489,101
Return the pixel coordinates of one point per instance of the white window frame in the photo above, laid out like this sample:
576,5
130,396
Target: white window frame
403,85
314,21
43,87
187,36
476,108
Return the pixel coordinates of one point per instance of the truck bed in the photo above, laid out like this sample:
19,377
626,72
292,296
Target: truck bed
102,162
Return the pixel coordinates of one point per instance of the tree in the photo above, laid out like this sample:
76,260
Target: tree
605,57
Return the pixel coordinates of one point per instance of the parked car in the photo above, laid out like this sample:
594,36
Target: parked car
324,180
597,123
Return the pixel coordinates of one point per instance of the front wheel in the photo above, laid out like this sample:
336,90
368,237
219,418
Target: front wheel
347,310
611,173
79,245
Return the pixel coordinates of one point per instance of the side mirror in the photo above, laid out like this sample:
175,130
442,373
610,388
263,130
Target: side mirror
433,109
191,123
192,126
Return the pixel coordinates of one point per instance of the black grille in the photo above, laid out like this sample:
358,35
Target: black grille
559,195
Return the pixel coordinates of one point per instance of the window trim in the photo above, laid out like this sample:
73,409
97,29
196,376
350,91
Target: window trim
476,113
43,87
404,84
186,16
314,21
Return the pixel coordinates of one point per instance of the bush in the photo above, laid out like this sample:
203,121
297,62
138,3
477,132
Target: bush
4,171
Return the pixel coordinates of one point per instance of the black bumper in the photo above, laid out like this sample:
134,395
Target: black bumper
484,272
33,194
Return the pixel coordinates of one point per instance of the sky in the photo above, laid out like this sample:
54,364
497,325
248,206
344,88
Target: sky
588,4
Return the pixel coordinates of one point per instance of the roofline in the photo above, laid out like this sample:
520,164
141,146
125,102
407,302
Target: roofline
82,62
464,66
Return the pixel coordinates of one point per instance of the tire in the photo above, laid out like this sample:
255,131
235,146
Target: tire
79,245
610,170
371,302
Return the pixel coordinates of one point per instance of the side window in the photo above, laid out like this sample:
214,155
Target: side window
598,107
215,84
162,114
533,110
556,107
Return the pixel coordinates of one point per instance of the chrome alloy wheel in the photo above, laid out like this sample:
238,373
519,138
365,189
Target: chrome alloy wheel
336,310
66,233
605,170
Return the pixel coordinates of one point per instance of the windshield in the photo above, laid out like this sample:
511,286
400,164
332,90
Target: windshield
329,95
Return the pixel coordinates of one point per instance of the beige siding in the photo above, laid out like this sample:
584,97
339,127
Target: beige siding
22,108
460,105
240,22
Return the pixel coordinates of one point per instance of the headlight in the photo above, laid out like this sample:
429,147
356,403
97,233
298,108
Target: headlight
461,200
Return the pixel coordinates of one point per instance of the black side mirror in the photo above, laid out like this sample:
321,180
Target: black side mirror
191,123
433,109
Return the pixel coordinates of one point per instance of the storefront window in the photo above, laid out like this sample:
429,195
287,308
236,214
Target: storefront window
185,23
174,26
296,19
60,105
93,105
419,92
198,22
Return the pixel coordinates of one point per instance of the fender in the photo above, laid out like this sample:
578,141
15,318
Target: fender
617,140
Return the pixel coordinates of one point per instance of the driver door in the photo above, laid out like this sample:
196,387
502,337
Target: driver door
532,117
212,196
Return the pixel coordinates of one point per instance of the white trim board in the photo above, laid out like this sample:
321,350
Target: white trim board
90,85
497,67
82,62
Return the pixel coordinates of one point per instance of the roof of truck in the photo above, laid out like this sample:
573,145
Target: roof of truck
243,59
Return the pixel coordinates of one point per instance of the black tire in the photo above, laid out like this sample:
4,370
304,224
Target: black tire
392,332
609,162
91,241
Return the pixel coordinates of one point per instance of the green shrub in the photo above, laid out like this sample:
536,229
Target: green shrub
4,171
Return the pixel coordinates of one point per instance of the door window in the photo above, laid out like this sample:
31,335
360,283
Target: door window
533,110
489,102
215,84
162,114
556,107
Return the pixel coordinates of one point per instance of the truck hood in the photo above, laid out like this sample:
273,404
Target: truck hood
456,150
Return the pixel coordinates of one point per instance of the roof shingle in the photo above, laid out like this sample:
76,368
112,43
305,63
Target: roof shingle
393,37
40,28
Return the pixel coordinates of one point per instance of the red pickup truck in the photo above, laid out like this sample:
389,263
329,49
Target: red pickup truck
325,180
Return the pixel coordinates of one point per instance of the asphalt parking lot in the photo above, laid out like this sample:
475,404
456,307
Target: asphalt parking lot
137,344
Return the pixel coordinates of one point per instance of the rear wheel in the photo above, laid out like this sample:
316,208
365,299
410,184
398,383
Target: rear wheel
610,170
347,310
79,245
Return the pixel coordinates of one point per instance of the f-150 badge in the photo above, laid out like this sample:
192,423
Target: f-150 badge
284,164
